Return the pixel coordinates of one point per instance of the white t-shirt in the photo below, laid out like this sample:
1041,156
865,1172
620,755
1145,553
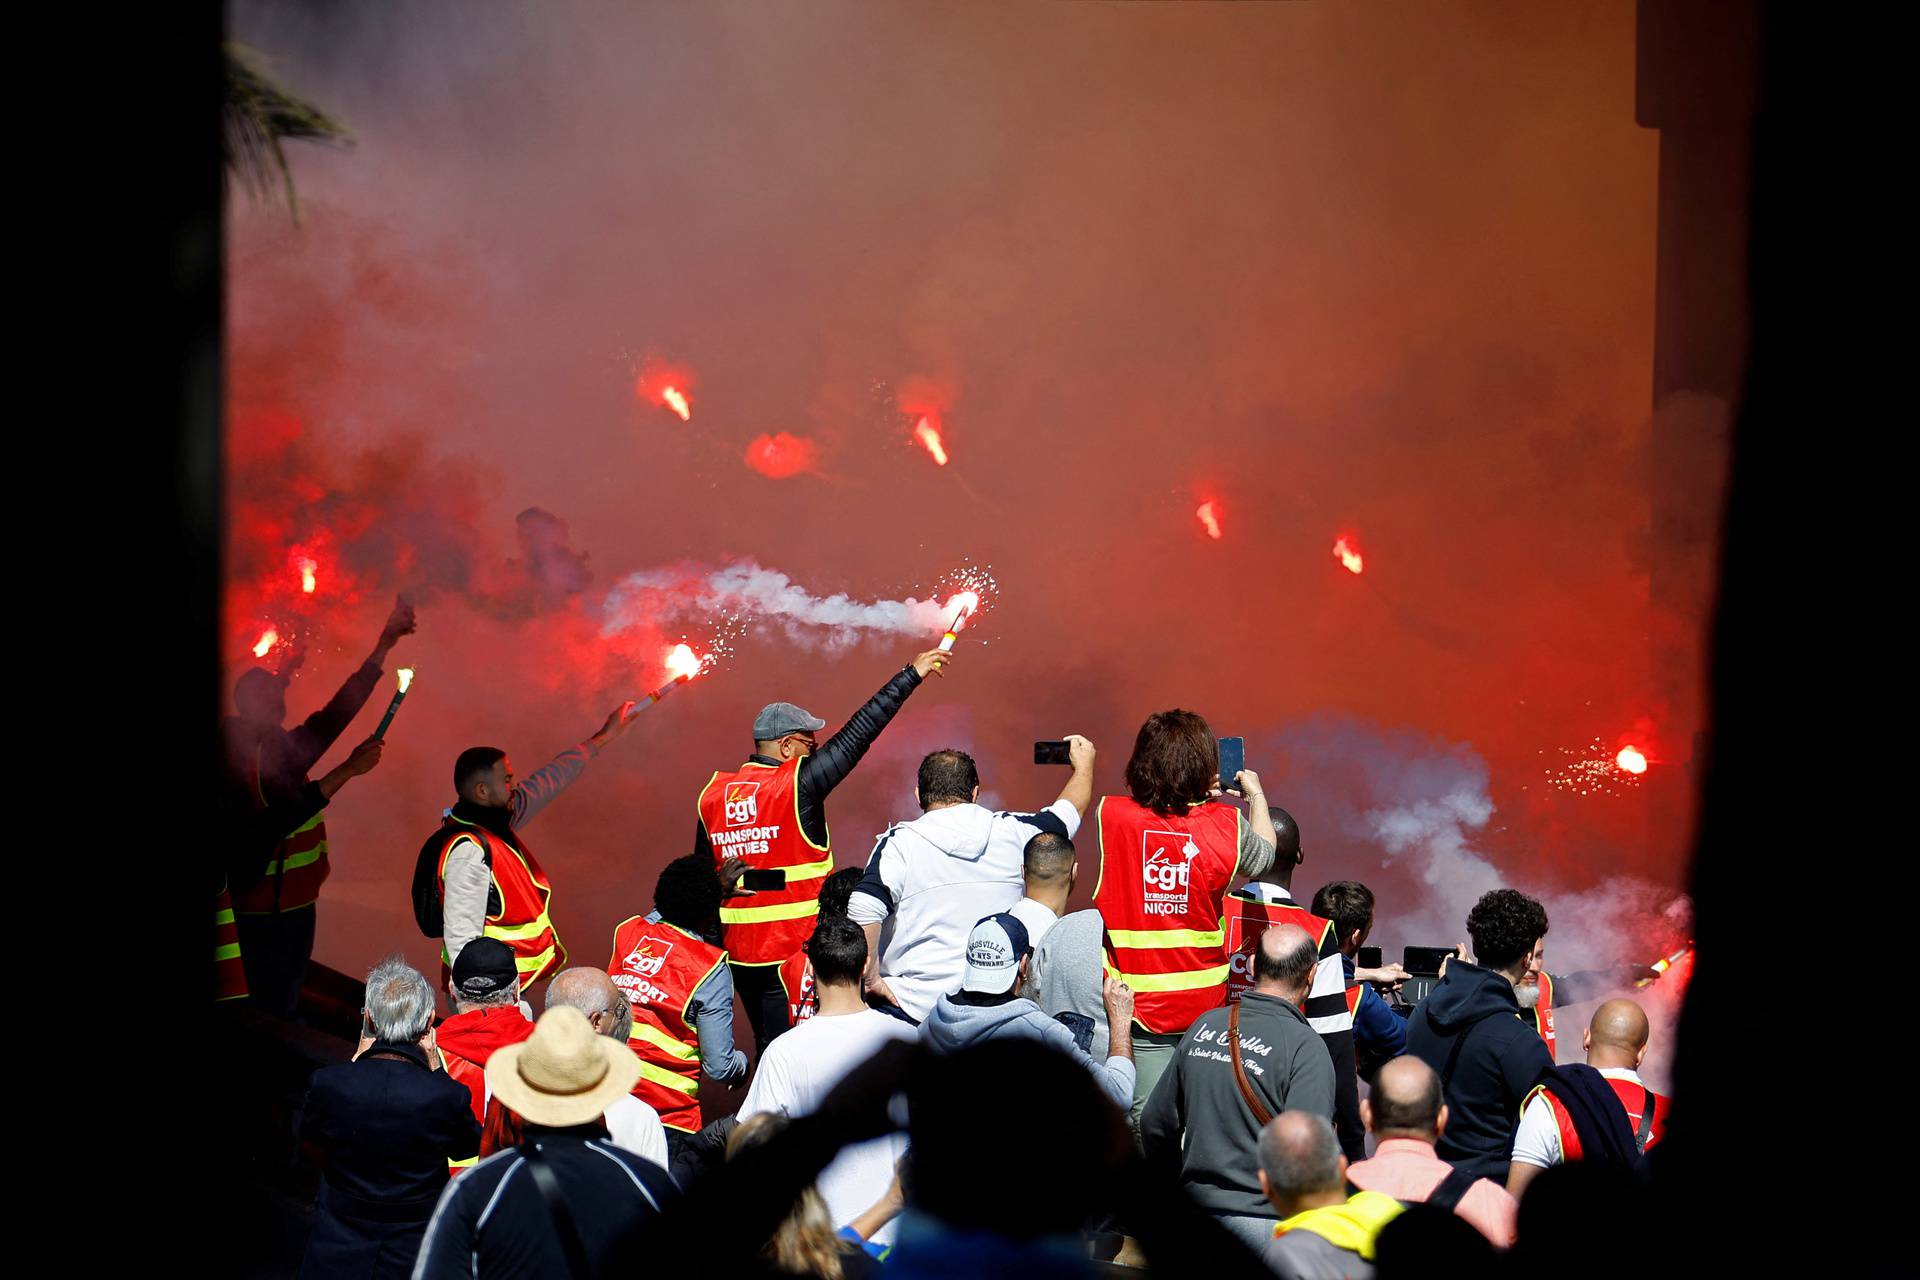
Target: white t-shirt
1537,1140
1037,918
634,1126
800,1068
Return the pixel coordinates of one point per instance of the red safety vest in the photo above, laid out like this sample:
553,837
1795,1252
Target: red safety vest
1247,920
229,974
658,967
1633,1097
1162,880
466,1041
517,906
1542,1011
797,981
1353,1000
295,872
753,813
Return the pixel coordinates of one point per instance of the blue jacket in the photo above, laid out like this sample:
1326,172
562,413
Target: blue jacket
1376,1029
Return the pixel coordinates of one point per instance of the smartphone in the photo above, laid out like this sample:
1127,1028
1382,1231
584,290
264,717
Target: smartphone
1051,753
758,880
1233,758
1368,958
1424,960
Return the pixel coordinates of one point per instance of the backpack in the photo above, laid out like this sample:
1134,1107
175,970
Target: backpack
426,883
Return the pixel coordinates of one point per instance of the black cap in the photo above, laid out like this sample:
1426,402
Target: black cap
484,968
1286,847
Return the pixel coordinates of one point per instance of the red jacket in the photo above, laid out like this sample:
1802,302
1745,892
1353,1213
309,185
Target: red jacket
468,1039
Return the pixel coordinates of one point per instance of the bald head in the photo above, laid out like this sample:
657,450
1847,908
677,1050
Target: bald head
1283,962
592,992
1405,1100
1301,1157
1618,1034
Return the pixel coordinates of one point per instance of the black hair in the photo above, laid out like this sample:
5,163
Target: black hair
947,775
1504,925
1286,833
1348,903
1049,858
1291,966
473,762
837,889
688,893
838,950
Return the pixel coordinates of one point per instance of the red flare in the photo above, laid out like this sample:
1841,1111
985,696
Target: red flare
1209,518
308,569
682,663
783,455
929,436
1347,554
268,639
1631,759
677,402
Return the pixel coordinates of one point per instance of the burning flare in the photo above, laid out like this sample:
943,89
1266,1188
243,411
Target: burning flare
1631,760
929,435
1347,554
963,606
1209,518
1663,964
403,677
308,569
677,402
682,663
268,639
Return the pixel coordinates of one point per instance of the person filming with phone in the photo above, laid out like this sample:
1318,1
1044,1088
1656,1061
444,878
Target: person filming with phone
764,824
1168,851
931,879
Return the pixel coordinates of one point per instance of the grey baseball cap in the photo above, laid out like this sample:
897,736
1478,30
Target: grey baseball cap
778,719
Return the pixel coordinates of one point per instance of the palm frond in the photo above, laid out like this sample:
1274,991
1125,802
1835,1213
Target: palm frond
257,117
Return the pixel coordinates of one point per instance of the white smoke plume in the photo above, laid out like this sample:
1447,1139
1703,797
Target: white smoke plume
744,593
1406,814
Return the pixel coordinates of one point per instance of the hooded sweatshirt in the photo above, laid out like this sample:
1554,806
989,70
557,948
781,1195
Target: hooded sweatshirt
1472,1019
1333,1242
468,1039
958,1022
932,879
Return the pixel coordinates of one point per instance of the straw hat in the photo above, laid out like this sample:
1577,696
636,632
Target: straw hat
565,1073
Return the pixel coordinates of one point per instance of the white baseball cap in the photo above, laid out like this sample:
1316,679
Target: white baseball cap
995,948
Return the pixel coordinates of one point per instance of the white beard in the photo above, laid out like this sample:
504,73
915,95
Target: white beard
1527,993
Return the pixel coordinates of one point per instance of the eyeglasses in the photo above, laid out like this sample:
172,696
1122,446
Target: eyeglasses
806,741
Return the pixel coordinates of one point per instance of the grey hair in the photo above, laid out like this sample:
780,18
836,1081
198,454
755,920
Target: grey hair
580,988
1300,1153
509,994
400,1002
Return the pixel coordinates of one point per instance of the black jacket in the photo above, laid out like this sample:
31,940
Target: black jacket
828,767
1469,1030
495,1223
386,1125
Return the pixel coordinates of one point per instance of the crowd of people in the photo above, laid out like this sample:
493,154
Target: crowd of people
951,1072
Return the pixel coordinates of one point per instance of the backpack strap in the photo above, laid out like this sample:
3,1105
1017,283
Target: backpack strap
1451,1189
577,1266
1260,1113
1646,1121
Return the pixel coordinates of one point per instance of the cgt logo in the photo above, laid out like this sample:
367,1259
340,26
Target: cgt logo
1166,862
647,958
743,804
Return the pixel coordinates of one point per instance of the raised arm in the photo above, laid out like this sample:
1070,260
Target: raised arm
828,767
1079,789
544,785
317,732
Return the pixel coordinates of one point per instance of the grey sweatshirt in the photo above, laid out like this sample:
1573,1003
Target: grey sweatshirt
463,904
956,1023
1067,968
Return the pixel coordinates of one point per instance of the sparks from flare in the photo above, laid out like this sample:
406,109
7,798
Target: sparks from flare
268,639
683,663
963,606
1593,770
1631,759
1347,554
929,436
1209,519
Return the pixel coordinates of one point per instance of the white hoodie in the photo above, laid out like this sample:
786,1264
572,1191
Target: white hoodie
932,879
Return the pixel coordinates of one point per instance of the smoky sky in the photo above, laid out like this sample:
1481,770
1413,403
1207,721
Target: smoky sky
1336,269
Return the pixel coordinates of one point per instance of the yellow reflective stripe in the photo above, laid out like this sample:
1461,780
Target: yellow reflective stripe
229,952
519,932
810,870
533,964
223,916
468,1163
1149,939
755,915
238,995
1186,981
666,1078
661,1040
311,823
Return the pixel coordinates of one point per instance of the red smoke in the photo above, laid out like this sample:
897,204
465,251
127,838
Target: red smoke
783,455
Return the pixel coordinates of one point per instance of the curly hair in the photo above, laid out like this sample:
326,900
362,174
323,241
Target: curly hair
1504,925
688,893
1174,762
